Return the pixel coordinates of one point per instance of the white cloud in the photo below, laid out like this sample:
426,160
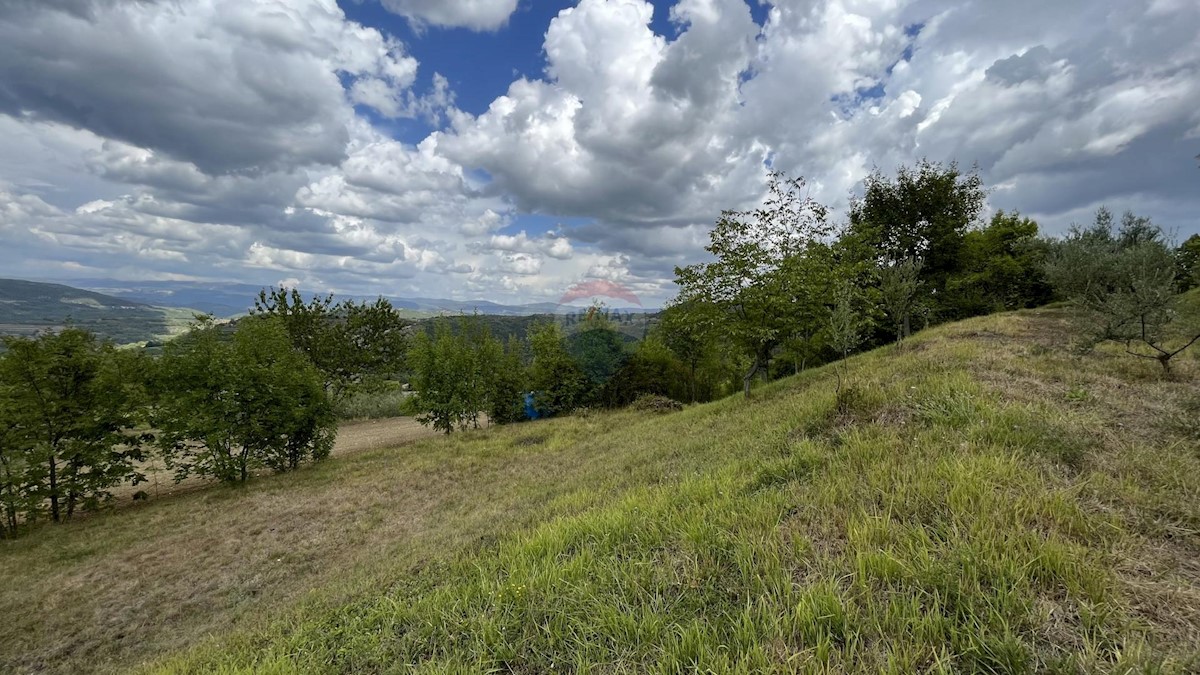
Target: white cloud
473,14
220,139
227,85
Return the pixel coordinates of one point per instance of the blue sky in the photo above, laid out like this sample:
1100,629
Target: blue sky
511,149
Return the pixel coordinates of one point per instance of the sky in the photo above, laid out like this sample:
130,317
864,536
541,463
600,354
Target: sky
511,149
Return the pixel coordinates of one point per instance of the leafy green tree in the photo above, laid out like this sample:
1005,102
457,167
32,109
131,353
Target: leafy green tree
652,368
847,323
1124,285
505,380
227,406
922,214
351,343
899,291
598,349
1002,268
15,500
1187,263
443,377
770,275
687,329
67,407
557,381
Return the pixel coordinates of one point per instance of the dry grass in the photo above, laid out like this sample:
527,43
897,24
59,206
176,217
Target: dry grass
983,500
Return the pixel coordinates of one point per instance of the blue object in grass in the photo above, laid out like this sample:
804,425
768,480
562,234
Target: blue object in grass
530,411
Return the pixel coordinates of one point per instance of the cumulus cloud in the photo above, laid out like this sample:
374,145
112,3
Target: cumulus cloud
473,14
628,127
226,85
257,140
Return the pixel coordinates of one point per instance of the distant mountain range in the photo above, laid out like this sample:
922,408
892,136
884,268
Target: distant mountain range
148,312
27,307
231,299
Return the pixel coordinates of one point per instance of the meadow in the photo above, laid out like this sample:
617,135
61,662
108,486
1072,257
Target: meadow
982,498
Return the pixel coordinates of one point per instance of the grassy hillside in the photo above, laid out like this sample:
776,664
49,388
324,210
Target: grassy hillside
27,307
982,500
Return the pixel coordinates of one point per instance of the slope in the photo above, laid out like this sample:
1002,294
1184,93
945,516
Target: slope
982,500
27,307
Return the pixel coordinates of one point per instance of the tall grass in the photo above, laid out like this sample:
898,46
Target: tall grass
957,507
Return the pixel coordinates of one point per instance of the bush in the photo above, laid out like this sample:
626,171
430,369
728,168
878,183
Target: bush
656,404
387,400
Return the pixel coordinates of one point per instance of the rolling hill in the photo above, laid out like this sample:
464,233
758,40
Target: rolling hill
230,299
981,500
27,307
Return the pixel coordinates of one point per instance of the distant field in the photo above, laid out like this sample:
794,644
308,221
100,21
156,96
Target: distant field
27,308
982,500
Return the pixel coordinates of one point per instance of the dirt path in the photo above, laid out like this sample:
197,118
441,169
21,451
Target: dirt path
352,437
383,433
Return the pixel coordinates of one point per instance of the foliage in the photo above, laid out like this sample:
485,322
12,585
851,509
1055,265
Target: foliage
846,322
922,214
1187,263
443,372
656,404
228,406
770,276
652,369
557,381
687,328
350,343
461,371
67,401
382,399
505,382
1125,285
899,291
1002,268
598,349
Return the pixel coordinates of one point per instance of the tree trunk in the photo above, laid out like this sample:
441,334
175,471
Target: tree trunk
749,377
53,489
907,326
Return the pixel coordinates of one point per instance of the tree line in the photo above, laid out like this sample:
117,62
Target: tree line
785,289
79,416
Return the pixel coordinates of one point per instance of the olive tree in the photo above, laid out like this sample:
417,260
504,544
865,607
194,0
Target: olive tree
1125,286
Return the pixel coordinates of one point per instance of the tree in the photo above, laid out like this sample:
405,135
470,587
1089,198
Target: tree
67,406
15,500
226,406
651,369
1125,287
770,275
922,214
899,291
598,349
350,343
443,377
846,324
505,381
1187,263
686,328
1002,268
557,381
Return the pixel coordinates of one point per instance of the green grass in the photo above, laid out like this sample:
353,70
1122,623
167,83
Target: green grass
981,500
